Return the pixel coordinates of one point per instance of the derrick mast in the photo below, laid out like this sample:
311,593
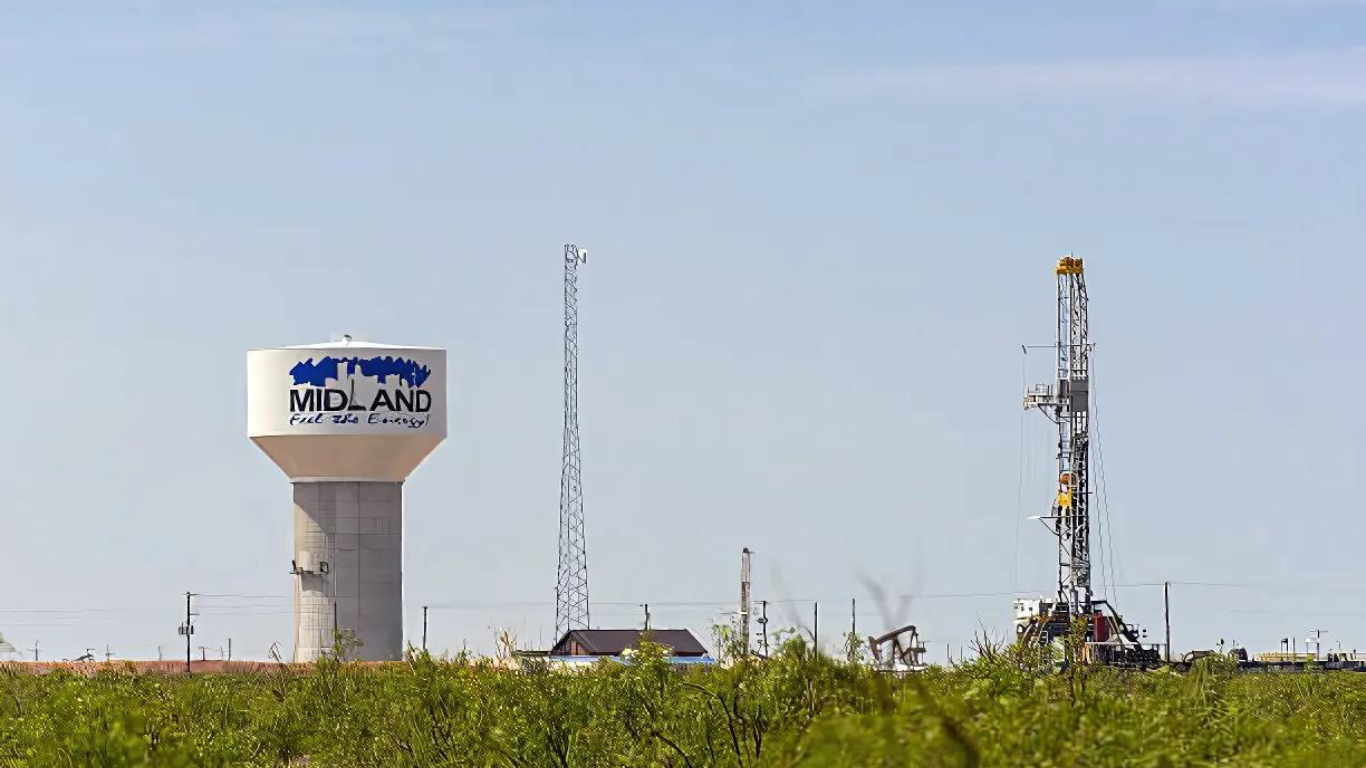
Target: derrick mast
1067,403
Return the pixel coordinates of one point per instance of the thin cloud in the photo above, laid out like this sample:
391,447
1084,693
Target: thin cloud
1322,78
151,27
1258,6
1292,5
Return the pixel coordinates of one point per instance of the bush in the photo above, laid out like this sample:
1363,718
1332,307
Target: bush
1006,707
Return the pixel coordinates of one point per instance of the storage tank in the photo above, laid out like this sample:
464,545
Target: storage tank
347,422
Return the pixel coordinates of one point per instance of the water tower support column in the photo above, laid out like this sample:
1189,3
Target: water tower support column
348,560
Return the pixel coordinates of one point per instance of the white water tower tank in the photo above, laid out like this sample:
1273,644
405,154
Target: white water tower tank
347,422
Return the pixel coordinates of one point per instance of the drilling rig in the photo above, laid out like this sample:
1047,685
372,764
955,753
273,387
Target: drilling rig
1067,403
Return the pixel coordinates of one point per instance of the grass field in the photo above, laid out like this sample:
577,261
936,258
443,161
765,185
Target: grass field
797,708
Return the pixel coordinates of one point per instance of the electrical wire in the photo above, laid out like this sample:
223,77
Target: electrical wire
237,606
729,602
1255,612
253,605
68,610
1273,587
256,614
726,604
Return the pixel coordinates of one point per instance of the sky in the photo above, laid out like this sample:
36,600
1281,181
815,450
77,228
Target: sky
819,235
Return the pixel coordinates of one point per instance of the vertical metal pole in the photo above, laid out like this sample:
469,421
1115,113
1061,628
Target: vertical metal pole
853,617
334,621
647,617
744,601
424,627
230,649
816,626
763,614
1167,616
187,633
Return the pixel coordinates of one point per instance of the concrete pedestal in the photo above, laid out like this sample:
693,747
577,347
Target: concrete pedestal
348,556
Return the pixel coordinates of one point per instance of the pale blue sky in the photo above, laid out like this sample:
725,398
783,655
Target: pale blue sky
819,234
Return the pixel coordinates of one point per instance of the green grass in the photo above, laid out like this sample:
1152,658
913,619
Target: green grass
796,709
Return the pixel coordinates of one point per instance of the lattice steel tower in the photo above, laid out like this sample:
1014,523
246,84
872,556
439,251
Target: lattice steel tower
1067,404
571,582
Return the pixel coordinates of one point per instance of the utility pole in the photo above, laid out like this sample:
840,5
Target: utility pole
230,649
187,629
853,617
763,623
107,654
744,601
816,626
647,617
35,650
424,627
571,579
1167,615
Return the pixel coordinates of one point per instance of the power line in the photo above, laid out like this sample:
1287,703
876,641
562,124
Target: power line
59,623
477,604
1346,614
250,614
69,610
248,604
729,602
1274,587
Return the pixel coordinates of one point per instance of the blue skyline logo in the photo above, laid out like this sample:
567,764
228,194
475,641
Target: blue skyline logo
410,372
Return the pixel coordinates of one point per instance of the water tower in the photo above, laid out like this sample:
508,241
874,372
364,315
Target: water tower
347,422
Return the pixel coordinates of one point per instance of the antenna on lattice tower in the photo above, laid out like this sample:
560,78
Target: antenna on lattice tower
571,581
